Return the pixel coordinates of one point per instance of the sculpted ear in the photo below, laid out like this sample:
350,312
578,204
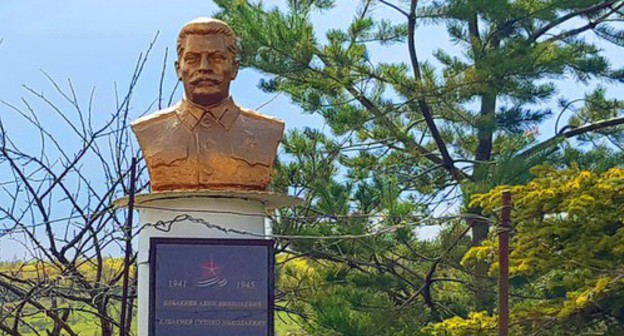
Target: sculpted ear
235,72
177,68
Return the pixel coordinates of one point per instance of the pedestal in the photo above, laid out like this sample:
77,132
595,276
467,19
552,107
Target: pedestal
244,212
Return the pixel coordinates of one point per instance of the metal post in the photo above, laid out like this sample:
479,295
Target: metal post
125,315
503,282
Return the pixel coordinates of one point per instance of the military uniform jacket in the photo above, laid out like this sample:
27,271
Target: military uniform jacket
224,147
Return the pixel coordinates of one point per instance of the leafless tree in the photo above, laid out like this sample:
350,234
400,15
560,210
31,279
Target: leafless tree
57,183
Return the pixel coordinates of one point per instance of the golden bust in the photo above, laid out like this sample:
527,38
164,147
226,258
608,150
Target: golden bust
206,141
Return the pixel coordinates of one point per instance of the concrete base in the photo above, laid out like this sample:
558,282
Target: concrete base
242,214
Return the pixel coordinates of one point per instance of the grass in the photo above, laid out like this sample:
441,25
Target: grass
85,324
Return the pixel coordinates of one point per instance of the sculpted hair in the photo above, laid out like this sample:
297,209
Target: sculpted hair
208,26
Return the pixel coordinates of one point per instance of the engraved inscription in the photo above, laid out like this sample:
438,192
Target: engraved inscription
212,289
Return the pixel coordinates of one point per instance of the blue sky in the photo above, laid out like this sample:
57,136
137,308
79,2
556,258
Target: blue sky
96,44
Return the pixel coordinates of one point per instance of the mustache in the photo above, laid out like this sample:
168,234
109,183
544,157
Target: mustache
196,79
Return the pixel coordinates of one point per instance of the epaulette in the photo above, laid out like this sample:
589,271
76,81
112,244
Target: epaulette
256,115
156,115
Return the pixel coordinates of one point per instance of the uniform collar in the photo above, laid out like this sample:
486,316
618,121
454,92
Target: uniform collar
223,113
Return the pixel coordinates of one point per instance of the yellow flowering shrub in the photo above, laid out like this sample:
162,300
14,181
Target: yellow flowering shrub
566,252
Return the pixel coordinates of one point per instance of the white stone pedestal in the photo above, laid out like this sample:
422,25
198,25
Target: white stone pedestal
241,211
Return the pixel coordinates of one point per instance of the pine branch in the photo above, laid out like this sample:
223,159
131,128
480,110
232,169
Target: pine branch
393,6
591,25
572,133
568,17
425,109
403,137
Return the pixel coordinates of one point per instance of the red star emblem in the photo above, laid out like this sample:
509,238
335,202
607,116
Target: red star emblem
211,267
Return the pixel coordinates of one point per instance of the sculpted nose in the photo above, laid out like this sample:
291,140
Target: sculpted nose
205,64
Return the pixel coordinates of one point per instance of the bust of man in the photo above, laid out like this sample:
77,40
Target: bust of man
206,141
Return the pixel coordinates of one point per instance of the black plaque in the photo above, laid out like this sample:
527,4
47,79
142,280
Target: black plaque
217,287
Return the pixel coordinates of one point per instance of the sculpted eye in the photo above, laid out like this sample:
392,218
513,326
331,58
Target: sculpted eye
191,59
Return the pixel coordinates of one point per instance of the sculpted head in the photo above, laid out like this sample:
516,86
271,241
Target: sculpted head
206,60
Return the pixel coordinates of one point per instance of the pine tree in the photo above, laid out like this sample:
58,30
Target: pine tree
405,135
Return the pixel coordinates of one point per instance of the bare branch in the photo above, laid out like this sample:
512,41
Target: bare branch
566,134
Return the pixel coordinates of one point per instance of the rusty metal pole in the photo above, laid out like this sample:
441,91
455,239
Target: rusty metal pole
124,325
503,279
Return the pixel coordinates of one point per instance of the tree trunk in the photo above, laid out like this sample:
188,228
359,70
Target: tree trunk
105,324
480,229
